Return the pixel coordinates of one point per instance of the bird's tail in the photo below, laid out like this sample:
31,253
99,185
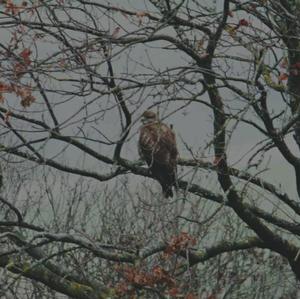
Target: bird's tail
167,183
166,178
167,190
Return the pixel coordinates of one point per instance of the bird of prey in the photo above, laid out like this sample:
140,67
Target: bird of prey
157,146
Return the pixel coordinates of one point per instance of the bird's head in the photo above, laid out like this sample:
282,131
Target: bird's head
148,117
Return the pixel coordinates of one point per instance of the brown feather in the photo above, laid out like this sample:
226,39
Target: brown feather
157,146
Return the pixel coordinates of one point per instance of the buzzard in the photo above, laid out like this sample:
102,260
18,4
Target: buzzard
157,146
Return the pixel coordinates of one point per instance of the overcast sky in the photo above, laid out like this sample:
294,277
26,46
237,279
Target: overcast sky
193,124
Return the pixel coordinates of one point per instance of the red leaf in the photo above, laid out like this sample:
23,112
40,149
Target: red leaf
25,55
252,6
217,160
5,87
190,296
11,7
173,292
294,72
204,55
297,65
243,22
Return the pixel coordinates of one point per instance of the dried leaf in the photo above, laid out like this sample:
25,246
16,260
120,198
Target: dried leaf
200,44
11,8
7,116
1,98
27,101
231,30
284,63
140,15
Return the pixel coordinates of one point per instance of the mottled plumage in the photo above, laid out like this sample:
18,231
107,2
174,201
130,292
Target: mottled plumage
157,146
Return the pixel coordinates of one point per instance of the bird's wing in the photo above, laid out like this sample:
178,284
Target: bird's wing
168,140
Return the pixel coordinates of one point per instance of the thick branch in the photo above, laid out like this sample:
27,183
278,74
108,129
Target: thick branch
201,256
40,274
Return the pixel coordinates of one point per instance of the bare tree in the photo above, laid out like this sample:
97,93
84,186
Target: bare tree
81,216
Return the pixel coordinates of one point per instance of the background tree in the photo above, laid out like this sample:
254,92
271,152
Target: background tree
80,214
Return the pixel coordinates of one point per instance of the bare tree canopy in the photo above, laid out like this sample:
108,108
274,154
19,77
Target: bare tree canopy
82,216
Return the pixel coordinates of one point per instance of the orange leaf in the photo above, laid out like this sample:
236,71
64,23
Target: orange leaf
283,77
141,15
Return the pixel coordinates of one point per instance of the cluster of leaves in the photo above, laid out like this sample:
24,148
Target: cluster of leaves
288,70
12,8
232,29
23,62
24,92
137,277
178,243
20,66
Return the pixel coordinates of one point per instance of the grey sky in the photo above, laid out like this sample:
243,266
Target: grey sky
193,123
